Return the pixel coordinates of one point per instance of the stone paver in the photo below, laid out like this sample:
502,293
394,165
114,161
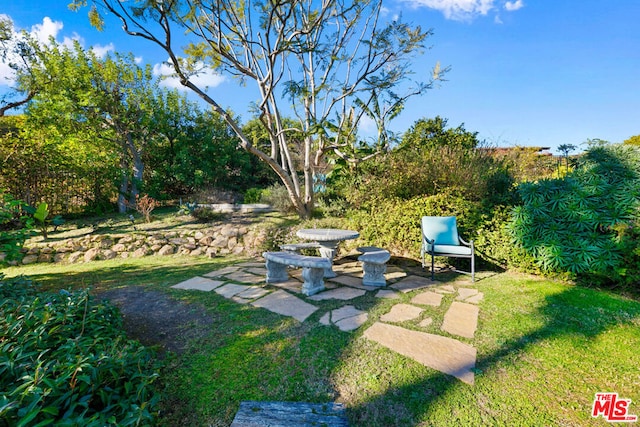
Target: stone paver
475,299
446,289
199,283
402,313
352,323
441,353
231,289
284,303
412,282
461,319
387,293
260,271
223,271
253,292
394,275
250,264
338,293
427,298
354,282
244,277
292,285
346,318
464,293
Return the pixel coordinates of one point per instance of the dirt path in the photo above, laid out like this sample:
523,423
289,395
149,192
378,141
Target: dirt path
155,319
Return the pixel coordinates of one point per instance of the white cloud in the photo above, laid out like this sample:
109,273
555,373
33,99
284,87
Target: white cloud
47,29
459,10
205,79
101,51
513,5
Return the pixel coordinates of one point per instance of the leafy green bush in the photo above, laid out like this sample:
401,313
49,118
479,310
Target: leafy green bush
585,222
395,223
65,361
253,195
277,196
15,227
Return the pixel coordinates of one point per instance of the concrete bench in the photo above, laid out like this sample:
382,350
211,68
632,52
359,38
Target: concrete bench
374,265
297,247
313,268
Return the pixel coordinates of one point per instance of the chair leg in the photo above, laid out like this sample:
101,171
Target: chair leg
433,272
473,268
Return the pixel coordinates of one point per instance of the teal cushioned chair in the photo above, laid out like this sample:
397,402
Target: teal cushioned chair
440,238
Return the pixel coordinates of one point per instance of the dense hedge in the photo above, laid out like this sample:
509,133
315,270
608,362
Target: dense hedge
65,361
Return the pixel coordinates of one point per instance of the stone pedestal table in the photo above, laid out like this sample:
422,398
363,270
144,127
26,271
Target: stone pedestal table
328,239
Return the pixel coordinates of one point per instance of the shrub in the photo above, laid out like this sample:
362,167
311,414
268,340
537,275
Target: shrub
253,195
583,224
395,223
15,227
278,197
145,205
65,361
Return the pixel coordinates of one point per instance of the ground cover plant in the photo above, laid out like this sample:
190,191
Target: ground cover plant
545,348
64,360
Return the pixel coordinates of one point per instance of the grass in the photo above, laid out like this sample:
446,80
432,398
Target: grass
544,349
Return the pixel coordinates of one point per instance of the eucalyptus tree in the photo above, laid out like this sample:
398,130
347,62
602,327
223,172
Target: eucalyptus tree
322,62
112,98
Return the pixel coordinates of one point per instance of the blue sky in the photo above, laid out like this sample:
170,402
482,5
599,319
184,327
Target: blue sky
523,72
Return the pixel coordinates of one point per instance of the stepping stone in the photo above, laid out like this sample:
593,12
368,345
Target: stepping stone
250,264
426,322
394,275
338,293
401,313
352,323
464,293
346,318
260,271
222,271
411,283
284,303
427,298
352,281
446,289
387,293
475,299
253,292
290,285
244,277
434,351
344,313
231,289
290,414
461,319
199,283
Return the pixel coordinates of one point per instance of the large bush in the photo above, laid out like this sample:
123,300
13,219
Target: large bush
65,361
585,223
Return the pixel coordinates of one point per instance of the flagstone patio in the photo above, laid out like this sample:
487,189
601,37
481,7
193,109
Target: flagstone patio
245,283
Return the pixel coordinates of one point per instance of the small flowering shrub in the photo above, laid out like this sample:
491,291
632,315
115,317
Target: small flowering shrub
65,361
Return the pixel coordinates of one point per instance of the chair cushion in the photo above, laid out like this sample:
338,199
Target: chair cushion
441,228
452,249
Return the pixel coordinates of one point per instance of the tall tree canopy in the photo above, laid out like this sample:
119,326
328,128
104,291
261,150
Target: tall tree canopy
113,97
327,63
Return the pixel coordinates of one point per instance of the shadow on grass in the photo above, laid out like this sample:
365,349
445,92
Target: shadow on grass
576,314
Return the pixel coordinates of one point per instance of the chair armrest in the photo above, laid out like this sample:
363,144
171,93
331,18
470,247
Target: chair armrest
464,242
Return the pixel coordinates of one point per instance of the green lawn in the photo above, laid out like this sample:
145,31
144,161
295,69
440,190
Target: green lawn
544,349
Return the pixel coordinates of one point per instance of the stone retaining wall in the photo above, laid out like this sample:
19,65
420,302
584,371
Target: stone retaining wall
219,240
